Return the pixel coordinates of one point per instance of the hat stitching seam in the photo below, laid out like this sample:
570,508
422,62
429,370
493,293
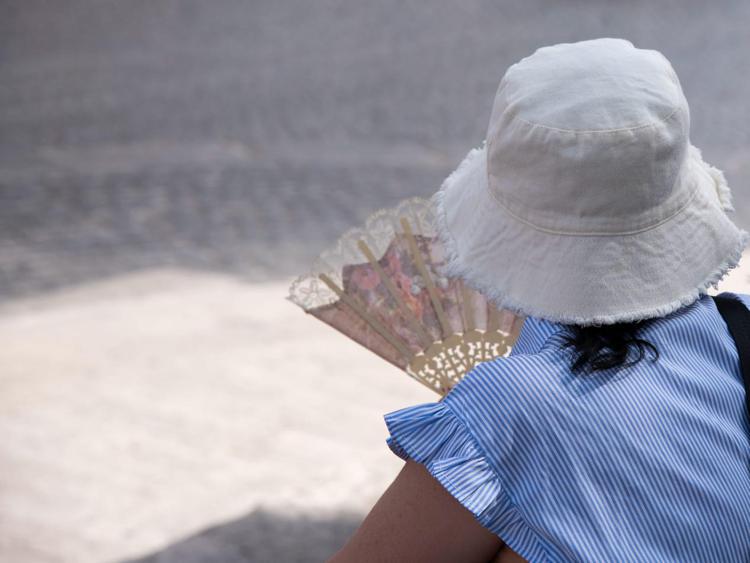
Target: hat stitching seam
592,233
602,131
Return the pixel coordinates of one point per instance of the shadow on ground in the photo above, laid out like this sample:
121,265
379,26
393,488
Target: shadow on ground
261,537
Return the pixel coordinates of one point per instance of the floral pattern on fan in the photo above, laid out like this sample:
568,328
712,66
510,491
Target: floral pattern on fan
399,305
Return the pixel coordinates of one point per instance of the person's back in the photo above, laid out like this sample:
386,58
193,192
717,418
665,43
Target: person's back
589,212
646,463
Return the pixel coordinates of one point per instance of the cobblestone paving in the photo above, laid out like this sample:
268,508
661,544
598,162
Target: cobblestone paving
245,136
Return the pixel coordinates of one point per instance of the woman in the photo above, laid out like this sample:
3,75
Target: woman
616,429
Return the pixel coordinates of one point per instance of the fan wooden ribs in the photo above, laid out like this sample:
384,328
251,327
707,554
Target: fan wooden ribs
401,306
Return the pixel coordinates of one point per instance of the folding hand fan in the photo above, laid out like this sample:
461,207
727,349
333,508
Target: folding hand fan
382,286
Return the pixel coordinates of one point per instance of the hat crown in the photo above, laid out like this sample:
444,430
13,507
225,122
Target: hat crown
590,137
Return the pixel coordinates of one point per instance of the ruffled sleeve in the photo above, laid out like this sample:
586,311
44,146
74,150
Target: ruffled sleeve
433,435
469,457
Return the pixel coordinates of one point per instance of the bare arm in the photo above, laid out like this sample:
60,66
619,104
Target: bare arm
416,519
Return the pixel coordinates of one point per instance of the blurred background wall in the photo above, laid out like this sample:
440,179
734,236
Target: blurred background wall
166,168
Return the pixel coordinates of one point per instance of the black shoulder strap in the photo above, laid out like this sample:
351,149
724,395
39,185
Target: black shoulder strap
737,317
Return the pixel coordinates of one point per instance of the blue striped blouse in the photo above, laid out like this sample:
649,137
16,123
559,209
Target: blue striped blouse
650,463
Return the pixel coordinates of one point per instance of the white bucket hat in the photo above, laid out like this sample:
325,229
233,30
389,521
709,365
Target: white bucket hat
587,203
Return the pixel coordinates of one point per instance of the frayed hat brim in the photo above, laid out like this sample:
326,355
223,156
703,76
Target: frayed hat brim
587,280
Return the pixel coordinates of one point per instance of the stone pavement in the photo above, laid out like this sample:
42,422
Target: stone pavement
186,414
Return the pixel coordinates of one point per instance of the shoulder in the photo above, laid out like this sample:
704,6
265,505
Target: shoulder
536,357
535,335
510,383
511,395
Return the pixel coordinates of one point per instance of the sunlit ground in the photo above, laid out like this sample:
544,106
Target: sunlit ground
136,412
